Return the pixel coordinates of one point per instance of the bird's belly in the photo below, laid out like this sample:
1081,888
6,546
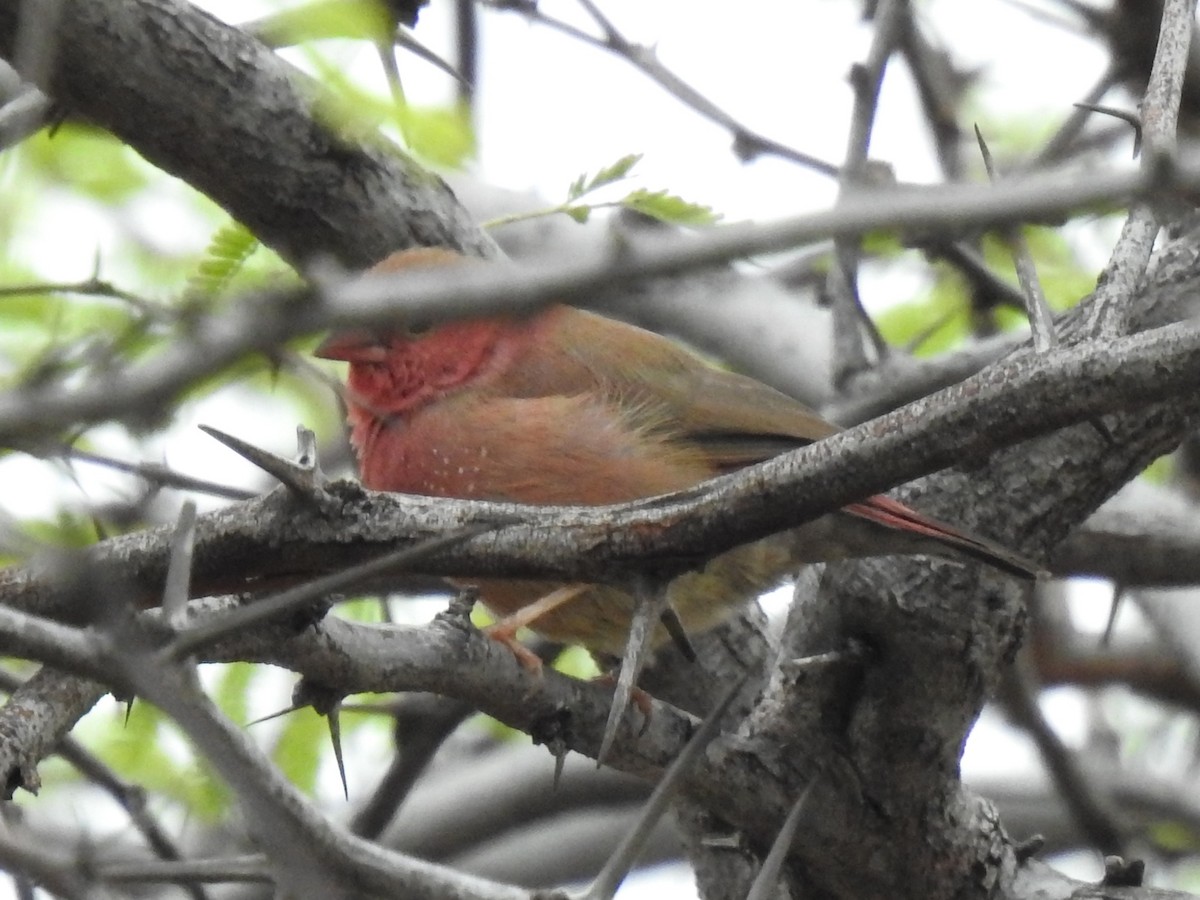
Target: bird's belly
599,617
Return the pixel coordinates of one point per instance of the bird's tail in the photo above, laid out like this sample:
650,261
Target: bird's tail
893,514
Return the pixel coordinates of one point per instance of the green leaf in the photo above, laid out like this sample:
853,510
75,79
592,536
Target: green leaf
1173,837
667,207
660,205
882,244
935,323
66,531
352,19
137,748
442,135
90,160
577,662
232,690
1161,471
302,741
225,257
606,176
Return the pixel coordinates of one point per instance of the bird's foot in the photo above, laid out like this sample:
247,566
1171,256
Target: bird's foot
504,632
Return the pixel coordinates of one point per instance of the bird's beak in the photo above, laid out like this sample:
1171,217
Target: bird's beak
352,347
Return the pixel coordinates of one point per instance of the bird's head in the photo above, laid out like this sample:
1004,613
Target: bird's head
397,371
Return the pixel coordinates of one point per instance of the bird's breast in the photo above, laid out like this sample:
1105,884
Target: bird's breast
401,457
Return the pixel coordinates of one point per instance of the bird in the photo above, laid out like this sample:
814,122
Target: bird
563,406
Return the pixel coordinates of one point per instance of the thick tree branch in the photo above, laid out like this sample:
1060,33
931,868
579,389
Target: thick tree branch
1145,536
206,102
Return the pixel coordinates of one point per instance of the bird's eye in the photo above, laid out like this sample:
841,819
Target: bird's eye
417,326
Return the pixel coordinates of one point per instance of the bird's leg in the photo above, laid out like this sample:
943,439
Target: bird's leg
649,603
505,631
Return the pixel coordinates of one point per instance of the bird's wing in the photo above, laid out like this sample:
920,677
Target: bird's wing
734,420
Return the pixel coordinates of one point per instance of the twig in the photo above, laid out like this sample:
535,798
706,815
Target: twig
851,323
1047,18
1129,118
130,797
190,873
55,871
310,856
1090,810
940,89
1159,114
405,38
971,264
423,722
1017,399
623,858
158,475
1041,322
765,882
904,379
1061,140
391,71
466,43
93,286
207,632
319,21
302,476
37,716
179,571
650,603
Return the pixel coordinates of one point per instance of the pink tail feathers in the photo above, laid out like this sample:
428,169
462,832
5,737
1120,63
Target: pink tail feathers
892,514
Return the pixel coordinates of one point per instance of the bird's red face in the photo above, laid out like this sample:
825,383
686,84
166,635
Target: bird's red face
394,373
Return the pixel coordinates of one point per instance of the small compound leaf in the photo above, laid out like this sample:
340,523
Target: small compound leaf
669,208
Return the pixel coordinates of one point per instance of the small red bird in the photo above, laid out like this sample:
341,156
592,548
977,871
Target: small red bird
568,407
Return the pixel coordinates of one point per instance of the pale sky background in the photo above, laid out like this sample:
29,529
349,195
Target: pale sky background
551,109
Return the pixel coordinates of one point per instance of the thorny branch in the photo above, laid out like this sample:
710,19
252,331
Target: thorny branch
852,326
1137,388
1160,116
